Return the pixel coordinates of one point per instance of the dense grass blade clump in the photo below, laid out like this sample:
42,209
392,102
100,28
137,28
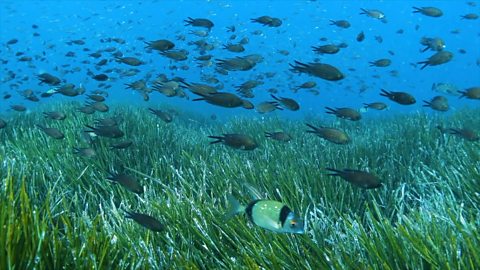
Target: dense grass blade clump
59,210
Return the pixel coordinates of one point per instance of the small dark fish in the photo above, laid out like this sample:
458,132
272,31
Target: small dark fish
288,103
237,141
360,37
399,97
48,79
381,63
268,21
18,108
326,49
428,11
55,115
199,22
131,61
127,181
121,145
470,16
146,221
373,13
3,123
438,103
324,71
7,96
106,131
439,58
84,152
52,132
279,136
340,23
226,100
100,77
345,113
97,98
471,93
165,116
358,178
375,105
12,41
464,133
330,134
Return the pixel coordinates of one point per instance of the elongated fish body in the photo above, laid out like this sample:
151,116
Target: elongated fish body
270,215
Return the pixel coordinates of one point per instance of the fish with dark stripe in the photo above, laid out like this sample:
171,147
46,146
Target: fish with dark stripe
270,215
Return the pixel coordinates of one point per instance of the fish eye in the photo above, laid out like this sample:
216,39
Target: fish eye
293,224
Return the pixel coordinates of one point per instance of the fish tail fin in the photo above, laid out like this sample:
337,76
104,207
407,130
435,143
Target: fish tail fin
462,93
268,134
218,139
198,99
427,104
384,93
234,209
335,172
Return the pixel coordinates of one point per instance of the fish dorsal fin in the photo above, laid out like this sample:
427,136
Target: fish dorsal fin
254,193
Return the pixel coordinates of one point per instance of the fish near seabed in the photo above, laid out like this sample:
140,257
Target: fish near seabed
270,215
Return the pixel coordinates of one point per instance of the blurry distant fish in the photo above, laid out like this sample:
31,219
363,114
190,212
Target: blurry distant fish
268,21
373,13
446,88
3,123
146,221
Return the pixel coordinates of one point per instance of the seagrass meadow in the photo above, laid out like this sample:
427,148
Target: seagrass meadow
59,211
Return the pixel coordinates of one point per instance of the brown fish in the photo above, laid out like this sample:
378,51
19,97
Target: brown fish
471,93
199,22
381,63
340,23
222,99
121,145
439,58
52,132
345,113
326,49
106,131
330,134
375,105
165,116
84,152
358,178
279,136
399,97
131,61
237,141
160,45
127,181
288,103
324,71
146,221
438,103
18,108
428,11
48,79
464,133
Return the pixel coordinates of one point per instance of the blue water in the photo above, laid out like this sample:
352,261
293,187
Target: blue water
304,23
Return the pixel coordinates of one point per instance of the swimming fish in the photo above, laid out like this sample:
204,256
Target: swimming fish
270,215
